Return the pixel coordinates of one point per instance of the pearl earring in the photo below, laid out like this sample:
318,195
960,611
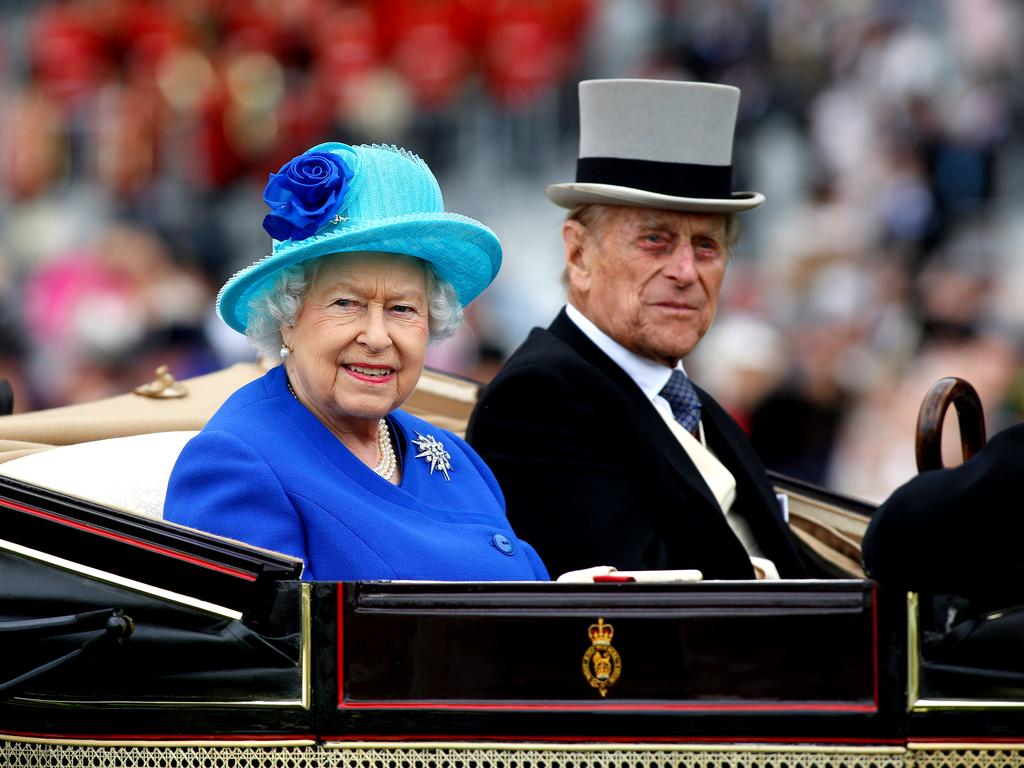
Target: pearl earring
284,352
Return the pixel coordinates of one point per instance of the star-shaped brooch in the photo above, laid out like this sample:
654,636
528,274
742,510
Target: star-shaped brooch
432,451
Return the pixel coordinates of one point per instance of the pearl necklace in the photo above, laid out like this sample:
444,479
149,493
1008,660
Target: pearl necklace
388,463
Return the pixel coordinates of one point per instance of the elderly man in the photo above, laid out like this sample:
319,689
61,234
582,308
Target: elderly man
606,452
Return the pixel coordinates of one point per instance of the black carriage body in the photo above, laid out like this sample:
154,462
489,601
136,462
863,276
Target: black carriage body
692,660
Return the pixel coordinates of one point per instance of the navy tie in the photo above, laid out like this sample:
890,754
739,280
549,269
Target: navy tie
684,401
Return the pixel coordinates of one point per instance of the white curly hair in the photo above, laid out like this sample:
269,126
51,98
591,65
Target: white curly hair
281,303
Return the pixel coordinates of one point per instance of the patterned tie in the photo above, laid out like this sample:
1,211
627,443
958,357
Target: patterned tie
683,398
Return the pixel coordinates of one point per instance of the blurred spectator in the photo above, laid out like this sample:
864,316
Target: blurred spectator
88,313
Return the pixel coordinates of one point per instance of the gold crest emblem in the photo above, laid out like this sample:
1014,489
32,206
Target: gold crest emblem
601,663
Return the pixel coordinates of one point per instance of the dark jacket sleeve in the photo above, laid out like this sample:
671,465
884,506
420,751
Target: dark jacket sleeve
955,530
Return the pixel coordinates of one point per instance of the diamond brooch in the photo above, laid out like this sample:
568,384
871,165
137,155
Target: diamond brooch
432,451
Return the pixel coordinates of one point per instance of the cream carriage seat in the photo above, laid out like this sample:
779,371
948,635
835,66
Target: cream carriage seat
129,473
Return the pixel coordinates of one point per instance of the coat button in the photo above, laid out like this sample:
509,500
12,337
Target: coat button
504,544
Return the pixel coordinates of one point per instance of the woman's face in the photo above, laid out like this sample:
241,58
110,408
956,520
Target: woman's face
357,346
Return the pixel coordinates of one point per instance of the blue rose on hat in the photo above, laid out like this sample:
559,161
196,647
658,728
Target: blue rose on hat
305,194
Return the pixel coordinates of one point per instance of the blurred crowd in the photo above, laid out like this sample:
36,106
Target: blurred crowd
136,137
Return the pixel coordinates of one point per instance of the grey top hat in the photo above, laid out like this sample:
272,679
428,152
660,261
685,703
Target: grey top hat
656,144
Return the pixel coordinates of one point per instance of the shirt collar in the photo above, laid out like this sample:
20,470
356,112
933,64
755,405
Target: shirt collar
650,376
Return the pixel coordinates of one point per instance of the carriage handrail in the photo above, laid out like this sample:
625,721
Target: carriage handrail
959,393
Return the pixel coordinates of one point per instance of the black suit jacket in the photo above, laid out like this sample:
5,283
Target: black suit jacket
593,476
957,530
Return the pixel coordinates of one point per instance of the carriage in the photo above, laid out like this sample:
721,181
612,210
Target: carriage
132,641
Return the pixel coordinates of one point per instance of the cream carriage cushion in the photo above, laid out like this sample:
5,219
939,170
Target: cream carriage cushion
129,473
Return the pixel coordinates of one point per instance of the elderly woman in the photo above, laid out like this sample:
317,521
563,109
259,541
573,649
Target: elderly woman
315,459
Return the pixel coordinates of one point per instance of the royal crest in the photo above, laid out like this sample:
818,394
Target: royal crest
432,451
601,662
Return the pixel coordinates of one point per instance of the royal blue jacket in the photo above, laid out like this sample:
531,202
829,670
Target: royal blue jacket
266,471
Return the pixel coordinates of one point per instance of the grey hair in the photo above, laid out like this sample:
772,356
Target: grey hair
280,304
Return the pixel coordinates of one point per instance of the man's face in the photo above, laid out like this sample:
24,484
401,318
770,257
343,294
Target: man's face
648,278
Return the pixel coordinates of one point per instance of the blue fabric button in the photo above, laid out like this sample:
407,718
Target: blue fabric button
504,544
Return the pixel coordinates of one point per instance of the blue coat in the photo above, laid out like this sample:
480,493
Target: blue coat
266,471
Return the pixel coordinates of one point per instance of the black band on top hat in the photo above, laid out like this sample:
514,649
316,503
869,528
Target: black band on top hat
675,179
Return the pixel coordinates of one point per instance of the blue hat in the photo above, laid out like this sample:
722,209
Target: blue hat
335,198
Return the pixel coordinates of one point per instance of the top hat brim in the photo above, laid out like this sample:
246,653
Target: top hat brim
571,194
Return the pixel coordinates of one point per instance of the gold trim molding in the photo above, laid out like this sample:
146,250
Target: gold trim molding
544,746
914,661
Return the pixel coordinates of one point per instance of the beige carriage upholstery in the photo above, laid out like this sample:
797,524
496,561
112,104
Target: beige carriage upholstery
121,416
120,451
833,533
129,473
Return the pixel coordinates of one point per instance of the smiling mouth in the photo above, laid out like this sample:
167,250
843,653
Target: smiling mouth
370,372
